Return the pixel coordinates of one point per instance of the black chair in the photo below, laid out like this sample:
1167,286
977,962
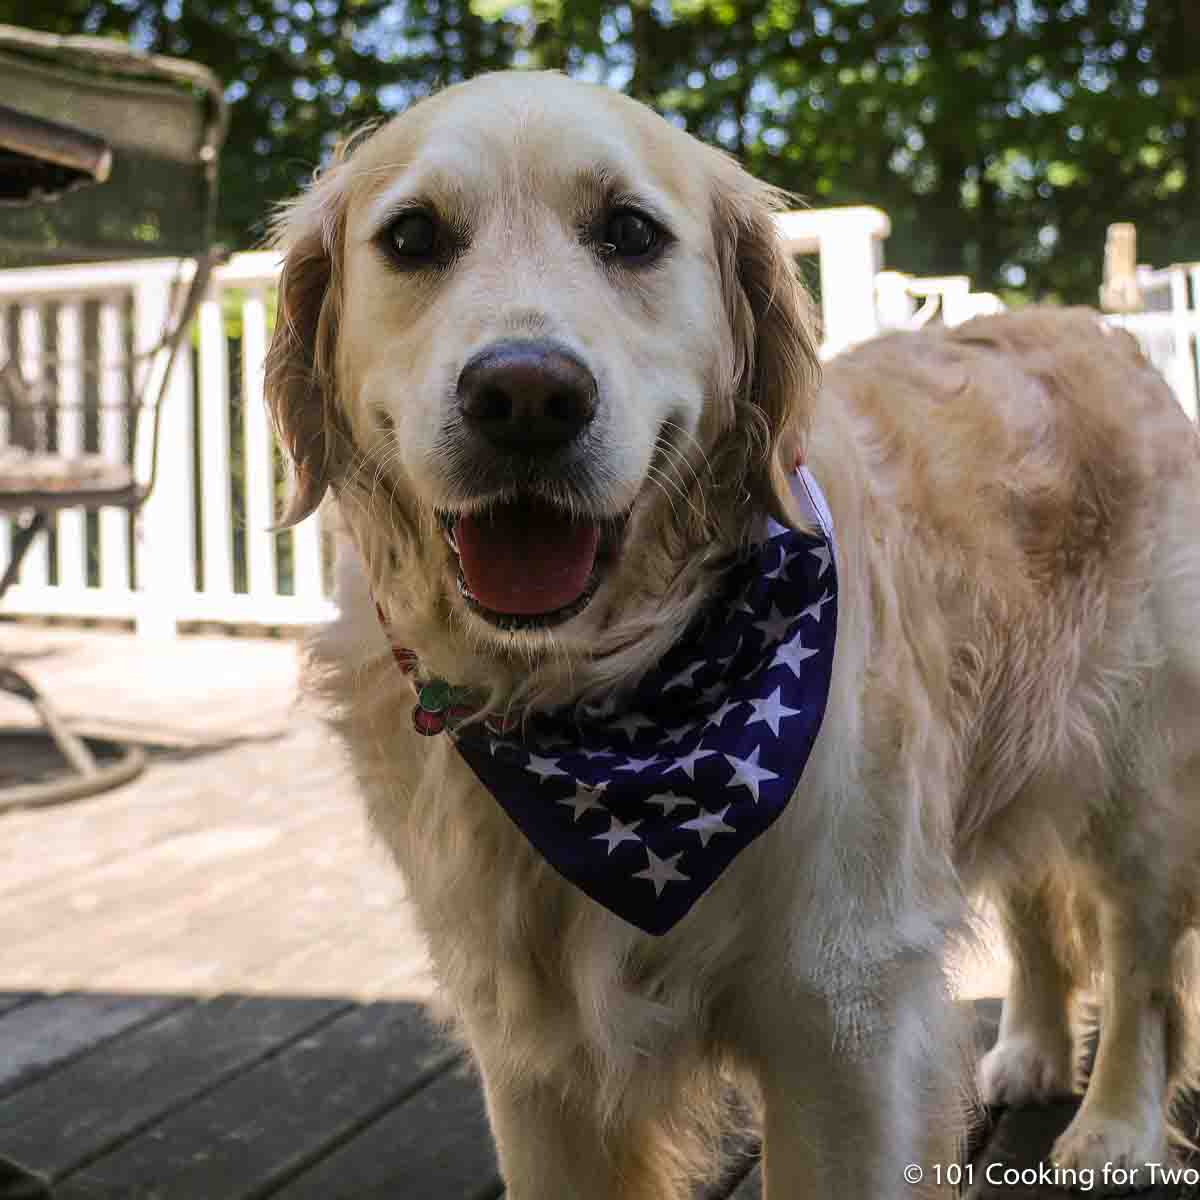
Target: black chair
105,153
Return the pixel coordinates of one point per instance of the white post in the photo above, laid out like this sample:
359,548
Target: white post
35,574
260,544
306,557
956,303
165,525
1183,367
1195,342
213,397
849,242
72,528
894,305
5,522
850,260
112,387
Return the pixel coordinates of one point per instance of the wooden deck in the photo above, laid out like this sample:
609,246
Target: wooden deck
210,984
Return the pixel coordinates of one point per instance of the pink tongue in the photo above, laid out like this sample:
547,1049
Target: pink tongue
526,558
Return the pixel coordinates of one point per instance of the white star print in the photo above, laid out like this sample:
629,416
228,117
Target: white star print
712,693
618,833
687,764
771,711
685,678
723,712
669,801
637,764
584,799
814,609
661,871
791,655
678,734
709,823
821,554
778,571
747,772
775,626
543,767
631,723
597,753
774,529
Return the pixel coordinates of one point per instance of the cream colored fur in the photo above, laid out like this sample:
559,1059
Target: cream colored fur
1015,706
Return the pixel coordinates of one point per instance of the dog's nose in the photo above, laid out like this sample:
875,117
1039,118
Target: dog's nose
527,396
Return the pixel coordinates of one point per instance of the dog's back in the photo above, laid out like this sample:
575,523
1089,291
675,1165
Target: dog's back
1035,481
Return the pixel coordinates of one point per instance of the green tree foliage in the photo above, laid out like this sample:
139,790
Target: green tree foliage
1001,136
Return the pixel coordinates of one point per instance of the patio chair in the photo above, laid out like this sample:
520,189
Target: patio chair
105,153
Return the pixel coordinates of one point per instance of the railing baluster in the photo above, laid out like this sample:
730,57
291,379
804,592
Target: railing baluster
260,549
114,432
5,351
166,577
306,558
1194,343
1183,364
35,574
68,409
213,397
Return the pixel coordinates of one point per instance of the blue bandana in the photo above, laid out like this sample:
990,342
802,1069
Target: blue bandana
644,809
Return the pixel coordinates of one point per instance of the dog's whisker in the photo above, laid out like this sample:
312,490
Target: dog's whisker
662,479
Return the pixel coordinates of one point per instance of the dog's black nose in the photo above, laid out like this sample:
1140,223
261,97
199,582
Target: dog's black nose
527,396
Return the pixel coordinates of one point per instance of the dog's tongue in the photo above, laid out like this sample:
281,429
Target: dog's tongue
526,558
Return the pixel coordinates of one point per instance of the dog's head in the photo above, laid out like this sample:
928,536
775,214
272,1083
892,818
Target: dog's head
548,352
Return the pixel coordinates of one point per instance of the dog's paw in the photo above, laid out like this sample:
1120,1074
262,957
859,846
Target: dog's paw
1024,1069
1109,1154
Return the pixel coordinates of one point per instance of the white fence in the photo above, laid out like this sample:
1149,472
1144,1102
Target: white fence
1170,328
201,550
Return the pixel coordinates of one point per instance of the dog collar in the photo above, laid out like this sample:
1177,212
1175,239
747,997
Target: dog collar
440,705
643,809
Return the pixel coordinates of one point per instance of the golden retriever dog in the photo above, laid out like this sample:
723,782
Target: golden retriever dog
549,359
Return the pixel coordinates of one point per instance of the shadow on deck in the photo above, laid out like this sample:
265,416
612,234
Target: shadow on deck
160,1097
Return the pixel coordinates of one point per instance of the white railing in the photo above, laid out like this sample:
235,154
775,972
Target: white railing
201,550
1169,330
849,245
911,302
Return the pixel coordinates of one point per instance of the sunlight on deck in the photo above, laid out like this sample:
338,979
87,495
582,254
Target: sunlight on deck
238,861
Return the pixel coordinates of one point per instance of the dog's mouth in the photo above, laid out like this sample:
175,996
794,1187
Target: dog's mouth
526,563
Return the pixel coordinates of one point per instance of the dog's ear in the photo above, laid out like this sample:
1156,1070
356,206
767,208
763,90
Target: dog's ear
775,369
300,377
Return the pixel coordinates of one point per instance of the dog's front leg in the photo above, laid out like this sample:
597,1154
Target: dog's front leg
863,1104
552,1146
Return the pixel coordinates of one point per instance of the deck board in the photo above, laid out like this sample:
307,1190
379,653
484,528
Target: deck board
302,1098
9,1000
130,1082
47,1032
433,1146
251,1135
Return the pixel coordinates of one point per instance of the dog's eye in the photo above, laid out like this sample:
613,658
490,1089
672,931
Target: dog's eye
412,235
631,235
